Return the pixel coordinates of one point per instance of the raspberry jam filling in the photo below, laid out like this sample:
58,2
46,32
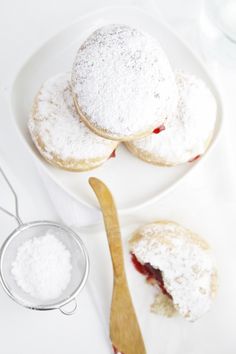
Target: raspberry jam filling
159,129
150,273
195,158
113,154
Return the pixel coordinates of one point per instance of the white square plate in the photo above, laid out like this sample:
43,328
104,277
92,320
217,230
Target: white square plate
133,182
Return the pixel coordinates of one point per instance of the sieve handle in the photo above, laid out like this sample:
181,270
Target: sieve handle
16,215
72,310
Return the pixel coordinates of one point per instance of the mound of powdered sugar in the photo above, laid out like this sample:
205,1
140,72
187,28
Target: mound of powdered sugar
42,267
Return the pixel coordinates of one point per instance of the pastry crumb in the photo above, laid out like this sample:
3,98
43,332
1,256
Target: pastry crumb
163,306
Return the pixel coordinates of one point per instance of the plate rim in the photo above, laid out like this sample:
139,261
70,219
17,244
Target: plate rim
168,27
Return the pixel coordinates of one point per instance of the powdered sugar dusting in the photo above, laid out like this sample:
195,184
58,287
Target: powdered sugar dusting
56,122
188,131
123,81
186,265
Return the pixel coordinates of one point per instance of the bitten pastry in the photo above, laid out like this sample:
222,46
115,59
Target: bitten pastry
180,264
187,134
59,134
122,83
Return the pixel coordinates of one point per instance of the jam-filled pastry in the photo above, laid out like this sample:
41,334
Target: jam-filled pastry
122,82
59,134
185,135
180,264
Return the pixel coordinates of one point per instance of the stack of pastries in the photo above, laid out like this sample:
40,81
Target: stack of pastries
122,88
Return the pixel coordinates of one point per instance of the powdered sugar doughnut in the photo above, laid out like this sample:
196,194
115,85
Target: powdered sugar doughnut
58,133
122,82
180,263
188,132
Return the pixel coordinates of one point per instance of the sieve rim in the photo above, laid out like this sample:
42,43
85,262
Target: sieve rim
81,284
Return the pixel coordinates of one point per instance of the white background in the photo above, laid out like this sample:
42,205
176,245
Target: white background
205,203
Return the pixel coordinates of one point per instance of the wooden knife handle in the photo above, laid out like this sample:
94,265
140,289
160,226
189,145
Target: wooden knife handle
125,332
111,225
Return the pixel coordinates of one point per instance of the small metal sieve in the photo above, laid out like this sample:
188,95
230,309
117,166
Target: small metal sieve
26,231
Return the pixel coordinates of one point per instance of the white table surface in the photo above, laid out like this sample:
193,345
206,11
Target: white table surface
23,26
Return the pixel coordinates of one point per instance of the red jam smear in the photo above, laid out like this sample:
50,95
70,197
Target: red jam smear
113,154
195,158
116,351
150,273
159,129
